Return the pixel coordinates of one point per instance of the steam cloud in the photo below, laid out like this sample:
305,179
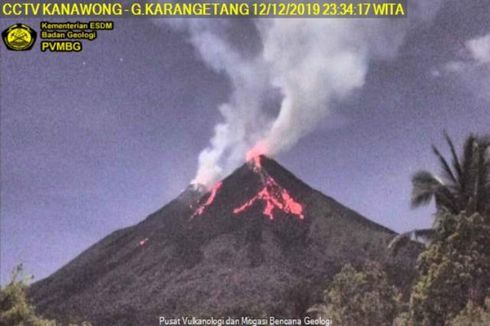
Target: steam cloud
310,62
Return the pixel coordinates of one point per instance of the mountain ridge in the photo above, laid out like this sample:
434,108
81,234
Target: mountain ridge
200,255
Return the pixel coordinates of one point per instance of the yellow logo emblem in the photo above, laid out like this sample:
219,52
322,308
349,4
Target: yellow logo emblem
19,37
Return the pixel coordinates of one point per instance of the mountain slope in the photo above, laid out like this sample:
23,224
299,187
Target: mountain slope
259,242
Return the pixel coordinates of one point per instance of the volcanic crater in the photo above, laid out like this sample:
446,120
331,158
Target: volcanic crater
259,242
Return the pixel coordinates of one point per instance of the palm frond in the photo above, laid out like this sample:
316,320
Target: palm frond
425,186
445,199
468,178
445,165
455,159
467,186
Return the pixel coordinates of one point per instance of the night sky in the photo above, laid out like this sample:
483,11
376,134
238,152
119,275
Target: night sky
95,141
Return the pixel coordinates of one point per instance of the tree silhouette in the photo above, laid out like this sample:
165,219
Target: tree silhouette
464,185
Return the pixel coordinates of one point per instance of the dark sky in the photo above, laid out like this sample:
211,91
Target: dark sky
95,141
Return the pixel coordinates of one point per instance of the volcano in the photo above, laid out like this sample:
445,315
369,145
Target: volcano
259,242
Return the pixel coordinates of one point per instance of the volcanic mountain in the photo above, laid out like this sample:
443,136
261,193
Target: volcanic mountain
260,242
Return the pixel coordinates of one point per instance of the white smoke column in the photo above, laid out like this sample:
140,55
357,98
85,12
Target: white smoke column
313,62
242,113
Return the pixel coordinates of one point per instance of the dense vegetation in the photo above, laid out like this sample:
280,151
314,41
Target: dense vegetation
356,296
14,307
453,285
454,270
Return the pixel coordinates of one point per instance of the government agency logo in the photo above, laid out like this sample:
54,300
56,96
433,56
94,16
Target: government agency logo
19,37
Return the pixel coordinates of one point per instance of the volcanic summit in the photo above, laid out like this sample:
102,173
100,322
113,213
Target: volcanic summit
259,242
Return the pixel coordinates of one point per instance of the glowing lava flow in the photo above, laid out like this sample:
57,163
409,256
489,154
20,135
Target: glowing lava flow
209,201
273,196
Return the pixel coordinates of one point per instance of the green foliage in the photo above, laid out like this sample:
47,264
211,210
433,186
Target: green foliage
360,297
463,186
465,181
403,319
473,315
15,309
453,270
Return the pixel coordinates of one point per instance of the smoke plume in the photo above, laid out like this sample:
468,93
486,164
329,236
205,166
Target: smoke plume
310,63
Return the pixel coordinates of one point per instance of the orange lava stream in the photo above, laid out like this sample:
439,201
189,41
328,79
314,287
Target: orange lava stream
274,197
209,201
